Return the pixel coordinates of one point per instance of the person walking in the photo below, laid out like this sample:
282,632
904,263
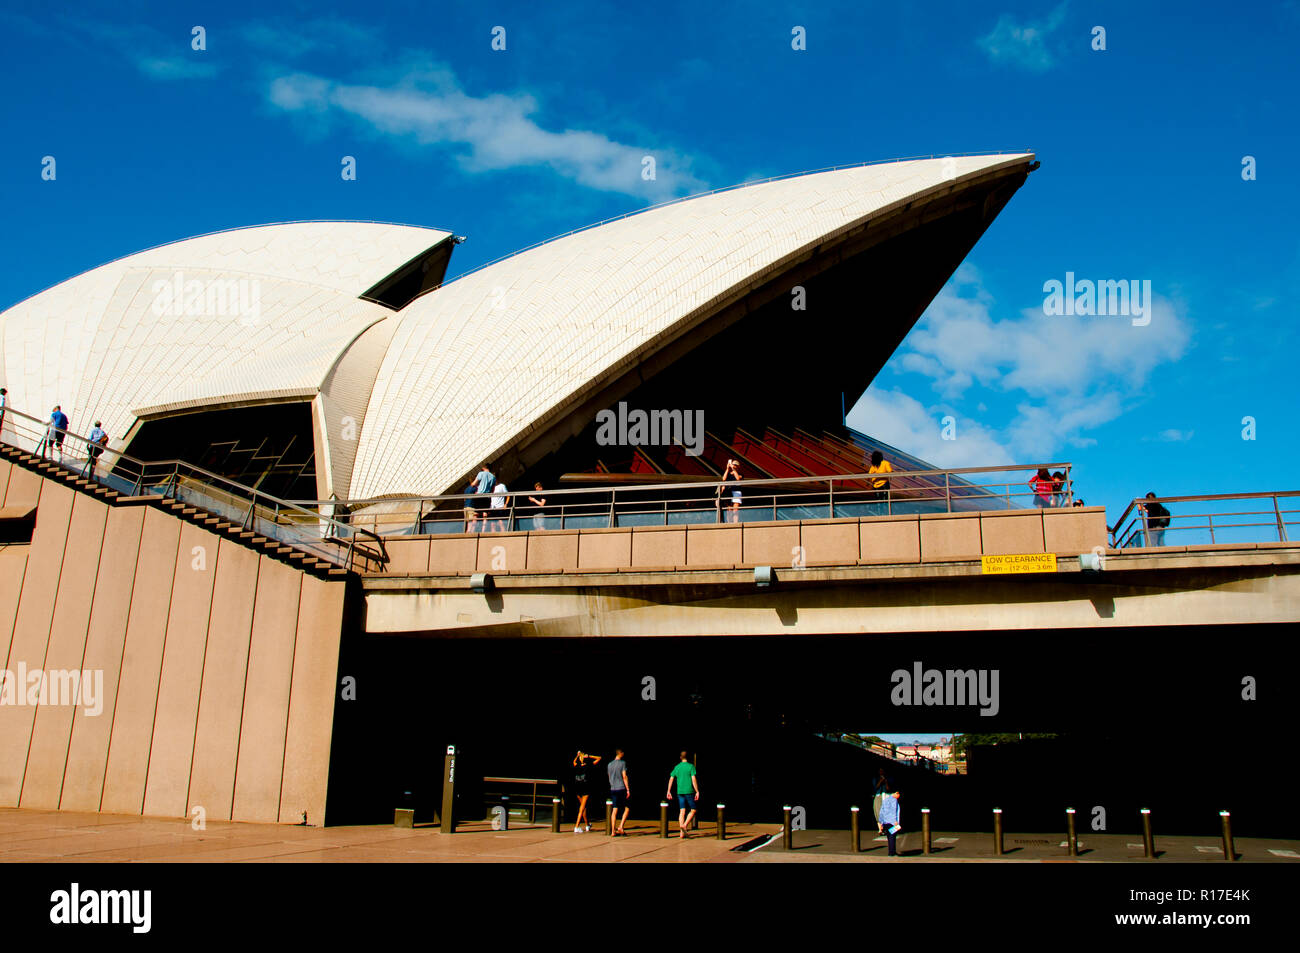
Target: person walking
877,793
887,821
55,432
4,403
688,789
620,791
95,444
583,784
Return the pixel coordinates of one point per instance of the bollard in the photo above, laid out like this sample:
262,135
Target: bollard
857,830
1148,839
722,822
1071,838
925,830
787,835
555,815
1229,849
663,818
997,832
609,817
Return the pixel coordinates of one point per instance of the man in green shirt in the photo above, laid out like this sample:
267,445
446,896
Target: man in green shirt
688,789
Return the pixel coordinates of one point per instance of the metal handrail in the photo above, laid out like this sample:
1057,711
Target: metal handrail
657,503
178,479
1133,524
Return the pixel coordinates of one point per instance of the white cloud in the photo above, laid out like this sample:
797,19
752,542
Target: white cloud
959,343
1023,44
1067,376
494,132
906,423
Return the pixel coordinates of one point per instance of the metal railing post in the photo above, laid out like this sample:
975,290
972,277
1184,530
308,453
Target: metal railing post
947,490
1210,522
832,498
1281,527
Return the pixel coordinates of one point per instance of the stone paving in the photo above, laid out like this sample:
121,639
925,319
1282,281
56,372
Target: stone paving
47,836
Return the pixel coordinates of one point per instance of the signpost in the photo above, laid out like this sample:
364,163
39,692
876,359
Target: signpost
448,821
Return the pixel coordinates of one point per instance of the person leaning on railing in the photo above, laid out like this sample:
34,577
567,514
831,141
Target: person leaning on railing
1156,520
1042,484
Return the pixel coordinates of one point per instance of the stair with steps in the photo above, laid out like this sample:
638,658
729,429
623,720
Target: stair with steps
273,547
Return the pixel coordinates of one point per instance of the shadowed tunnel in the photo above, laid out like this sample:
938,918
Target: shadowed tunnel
1151,718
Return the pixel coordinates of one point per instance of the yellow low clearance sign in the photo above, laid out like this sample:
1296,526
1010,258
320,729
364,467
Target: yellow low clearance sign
1029,562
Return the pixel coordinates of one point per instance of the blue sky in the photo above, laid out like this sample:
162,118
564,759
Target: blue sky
1141,147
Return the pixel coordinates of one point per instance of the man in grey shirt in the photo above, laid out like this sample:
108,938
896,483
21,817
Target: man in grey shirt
619,791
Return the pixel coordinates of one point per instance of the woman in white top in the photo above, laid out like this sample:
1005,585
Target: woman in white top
498,518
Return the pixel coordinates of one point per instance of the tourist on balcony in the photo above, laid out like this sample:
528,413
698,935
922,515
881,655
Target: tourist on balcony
498,524
4,402
539,501
1042,484
731,475
879,494
1058,488
1156,519
471,514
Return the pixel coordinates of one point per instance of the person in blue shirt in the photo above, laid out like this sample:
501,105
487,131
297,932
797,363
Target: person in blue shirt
878,792
95,444
483,483
57,429
887,822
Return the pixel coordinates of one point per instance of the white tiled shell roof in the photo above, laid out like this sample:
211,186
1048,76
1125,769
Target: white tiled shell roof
472,366
97,345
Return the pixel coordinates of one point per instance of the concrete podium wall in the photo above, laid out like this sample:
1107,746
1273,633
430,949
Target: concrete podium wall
852,541
219,665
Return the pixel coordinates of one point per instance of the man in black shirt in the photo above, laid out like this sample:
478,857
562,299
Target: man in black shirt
1157,520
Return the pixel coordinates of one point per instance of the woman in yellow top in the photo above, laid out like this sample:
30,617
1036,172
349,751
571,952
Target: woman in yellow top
880,484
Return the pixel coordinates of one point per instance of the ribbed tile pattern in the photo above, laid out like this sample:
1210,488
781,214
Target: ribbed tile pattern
262,312
473,365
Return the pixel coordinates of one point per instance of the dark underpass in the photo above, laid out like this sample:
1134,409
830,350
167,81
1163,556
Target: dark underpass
1152,718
